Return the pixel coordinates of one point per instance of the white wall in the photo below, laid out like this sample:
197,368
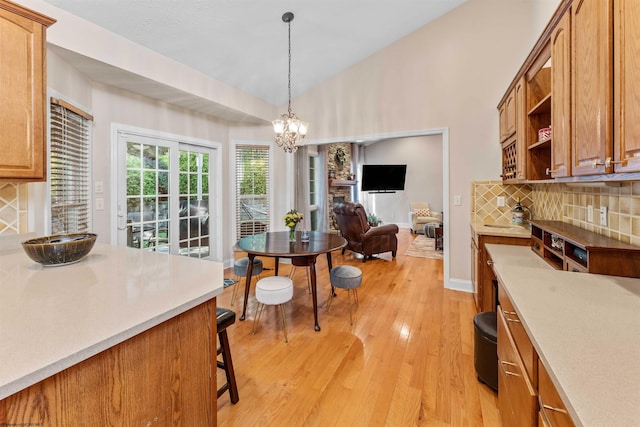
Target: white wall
449,74
423,157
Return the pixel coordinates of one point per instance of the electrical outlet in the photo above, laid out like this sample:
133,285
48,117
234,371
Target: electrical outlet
98,187
500,201
457,200
590,213
603,215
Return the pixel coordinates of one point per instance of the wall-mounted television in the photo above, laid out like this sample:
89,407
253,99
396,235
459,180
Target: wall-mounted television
383,178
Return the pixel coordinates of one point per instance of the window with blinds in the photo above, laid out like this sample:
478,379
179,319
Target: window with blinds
69,183
252,189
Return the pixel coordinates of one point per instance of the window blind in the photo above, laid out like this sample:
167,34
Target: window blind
252,189
69,184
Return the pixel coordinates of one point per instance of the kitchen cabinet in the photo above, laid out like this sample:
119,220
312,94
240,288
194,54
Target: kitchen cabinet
514,149
561,98
516,396
591,83
162,375
23,93
507,116
626,32
482,274
553,412
567,247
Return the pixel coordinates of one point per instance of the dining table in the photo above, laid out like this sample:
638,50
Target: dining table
277,244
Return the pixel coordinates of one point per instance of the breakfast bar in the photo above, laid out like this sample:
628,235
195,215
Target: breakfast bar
131,333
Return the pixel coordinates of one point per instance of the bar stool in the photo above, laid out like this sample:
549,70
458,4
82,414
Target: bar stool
300,262
224,319
273,290
346,277
240,271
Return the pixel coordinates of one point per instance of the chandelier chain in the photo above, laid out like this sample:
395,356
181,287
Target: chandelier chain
289,76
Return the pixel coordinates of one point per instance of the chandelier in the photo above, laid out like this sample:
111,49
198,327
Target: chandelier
289,129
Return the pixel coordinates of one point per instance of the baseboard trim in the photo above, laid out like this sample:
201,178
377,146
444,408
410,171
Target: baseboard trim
459,285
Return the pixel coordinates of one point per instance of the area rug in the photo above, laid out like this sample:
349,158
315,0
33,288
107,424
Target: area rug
423,247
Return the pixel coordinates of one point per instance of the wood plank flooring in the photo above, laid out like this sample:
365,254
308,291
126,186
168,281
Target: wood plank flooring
406,361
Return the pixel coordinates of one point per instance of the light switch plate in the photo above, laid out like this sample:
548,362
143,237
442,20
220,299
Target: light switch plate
99,204
457,200
590,213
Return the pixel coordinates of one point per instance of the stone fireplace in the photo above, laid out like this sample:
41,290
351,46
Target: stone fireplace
341,179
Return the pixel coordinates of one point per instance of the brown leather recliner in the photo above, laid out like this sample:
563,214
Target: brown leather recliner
362,238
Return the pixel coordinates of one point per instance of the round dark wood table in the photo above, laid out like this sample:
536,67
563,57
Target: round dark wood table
276,244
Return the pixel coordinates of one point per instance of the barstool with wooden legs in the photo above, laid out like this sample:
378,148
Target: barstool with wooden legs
224,319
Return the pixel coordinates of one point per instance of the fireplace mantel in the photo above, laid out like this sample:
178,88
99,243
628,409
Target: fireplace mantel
341,182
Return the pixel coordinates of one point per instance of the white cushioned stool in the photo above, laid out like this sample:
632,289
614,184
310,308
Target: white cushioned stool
346,277
240,271
273,290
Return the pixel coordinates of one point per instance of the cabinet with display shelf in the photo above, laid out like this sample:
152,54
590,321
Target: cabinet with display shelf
567,247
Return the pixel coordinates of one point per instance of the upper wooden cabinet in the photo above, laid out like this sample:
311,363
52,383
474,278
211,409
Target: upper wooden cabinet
23,93
592,104
592,101
626,31
561,98
507,111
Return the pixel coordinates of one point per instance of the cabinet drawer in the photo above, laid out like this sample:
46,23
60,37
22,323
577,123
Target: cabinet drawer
552,409
514,388
523,343
571,265
537,246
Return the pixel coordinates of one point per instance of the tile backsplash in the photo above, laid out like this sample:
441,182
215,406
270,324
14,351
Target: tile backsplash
566,202
14,208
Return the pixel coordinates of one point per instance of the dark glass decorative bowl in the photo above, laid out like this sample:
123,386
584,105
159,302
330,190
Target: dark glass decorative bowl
59,249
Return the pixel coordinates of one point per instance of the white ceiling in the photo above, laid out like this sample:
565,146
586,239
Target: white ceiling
244,42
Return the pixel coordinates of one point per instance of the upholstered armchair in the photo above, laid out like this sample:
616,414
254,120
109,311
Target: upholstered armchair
360,236
421,214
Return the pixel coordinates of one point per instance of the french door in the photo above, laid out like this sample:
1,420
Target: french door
165,196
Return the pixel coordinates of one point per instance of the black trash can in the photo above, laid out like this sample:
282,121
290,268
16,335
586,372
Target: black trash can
485,355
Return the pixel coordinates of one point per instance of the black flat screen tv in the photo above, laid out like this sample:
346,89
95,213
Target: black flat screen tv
383,178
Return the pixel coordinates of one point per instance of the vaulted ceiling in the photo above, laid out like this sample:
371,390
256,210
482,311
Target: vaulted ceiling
243,43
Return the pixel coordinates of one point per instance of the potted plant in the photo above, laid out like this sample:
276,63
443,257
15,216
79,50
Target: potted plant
373,220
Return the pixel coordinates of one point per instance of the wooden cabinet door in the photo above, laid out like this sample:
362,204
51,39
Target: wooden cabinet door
561,98
474,273
520,123
591,45
626,132
507,119
22,90
552,409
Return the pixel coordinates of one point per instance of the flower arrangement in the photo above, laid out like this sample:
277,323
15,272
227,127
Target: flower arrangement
292,218
373,220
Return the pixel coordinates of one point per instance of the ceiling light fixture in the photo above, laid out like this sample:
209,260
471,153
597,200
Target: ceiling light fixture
289,129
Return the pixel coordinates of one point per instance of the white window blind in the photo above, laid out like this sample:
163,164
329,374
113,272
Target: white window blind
252,189
69,183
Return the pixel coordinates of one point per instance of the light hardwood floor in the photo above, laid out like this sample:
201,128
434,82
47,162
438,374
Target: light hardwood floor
407,360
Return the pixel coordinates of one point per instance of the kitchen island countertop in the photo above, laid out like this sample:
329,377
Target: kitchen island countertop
55,317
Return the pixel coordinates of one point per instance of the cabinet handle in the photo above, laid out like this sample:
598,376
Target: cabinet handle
537,246
489,262
506,372
551,408
549,171
512,320
608,162
504,362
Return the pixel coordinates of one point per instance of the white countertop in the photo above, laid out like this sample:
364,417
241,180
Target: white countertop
505,229
54,317
586,330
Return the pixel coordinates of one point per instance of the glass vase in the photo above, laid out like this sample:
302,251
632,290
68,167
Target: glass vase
292,234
